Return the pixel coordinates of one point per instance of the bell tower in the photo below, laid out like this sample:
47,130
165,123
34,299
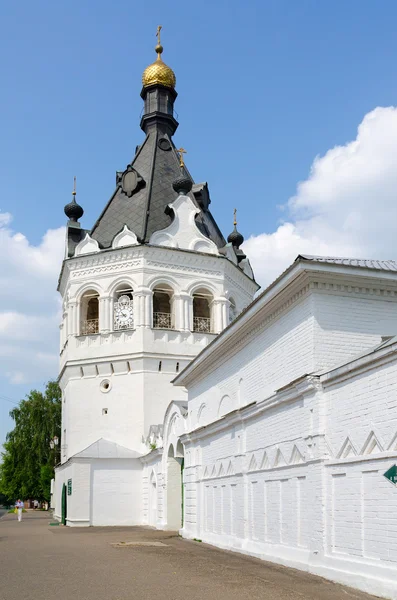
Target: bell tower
144,291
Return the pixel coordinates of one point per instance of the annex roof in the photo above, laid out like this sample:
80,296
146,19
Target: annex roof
378,265
106,449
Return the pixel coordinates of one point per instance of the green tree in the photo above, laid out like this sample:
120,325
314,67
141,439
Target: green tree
27,461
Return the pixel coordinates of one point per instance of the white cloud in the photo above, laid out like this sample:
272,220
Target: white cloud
16,377
346,207
29,304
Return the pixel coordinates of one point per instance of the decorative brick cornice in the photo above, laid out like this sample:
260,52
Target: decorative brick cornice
367,290
171,259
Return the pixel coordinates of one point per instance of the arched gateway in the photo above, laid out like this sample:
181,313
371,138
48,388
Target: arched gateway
175,494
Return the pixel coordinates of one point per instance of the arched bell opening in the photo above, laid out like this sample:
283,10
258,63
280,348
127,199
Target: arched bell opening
123,307
202,309
163,299
89,313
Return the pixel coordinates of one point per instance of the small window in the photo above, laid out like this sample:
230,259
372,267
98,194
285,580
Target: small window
177,367
159,365
104,411
105,386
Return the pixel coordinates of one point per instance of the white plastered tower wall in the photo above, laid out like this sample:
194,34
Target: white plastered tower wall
139,389
285,465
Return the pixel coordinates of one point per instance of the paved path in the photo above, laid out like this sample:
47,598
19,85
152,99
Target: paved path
40,562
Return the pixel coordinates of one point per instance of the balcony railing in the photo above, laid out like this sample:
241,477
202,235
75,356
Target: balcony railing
162,320
202,324
90,326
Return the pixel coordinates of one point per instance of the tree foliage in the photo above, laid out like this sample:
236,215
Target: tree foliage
27,460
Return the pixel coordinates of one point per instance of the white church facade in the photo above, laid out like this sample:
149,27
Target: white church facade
263,426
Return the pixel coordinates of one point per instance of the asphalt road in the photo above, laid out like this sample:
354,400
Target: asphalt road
41,562
3,511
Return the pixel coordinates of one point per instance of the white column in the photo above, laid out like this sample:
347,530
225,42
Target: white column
189,313
61,337
148,309
74,314
176,312
225,313
137,309
215,316
220,313
104,314
142,307
181,305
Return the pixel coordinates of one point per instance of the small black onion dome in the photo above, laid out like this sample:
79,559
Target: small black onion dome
73,210
182,185
235,238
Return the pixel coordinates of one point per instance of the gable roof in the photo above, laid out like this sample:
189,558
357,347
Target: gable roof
106,449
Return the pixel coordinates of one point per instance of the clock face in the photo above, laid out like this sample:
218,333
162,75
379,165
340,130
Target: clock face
123,313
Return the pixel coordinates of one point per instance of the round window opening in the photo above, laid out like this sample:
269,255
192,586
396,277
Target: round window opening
164,144
105,385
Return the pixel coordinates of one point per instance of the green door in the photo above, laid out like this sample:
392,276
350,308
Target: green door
183,491
64,504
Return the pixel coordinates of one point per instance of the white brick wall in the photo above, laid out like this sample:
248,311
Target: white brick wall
296,476
347,325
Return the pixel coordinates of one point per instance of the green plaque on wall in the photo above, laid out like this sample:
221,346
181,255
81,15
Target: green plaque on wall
69,487
391,474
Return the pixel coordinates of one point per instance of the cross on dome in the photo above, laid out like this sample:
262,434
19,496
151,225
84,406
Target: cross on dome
158,73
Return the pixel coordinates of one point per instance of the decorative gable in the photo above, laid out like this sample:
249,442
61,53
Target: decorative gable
279,460
265,461
125,238
183,232
230,470
296,456
347,449
86,246
372,445
252,466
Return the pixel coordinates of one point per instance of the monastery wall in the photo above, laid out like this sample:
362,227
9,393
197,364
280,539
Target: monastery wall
361,425
298,478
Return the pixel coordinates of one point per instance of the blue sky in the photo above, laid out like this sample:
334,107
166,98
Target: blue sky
264,87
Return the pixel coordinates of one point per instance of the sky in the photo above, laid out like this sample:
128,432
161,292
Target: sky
286,108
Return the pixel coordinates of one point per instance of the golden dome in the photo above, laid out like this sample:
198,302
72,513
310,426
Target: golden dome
158,72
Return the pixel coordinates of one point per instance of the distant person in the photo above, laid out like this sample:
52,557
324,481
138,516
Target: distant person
19,507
